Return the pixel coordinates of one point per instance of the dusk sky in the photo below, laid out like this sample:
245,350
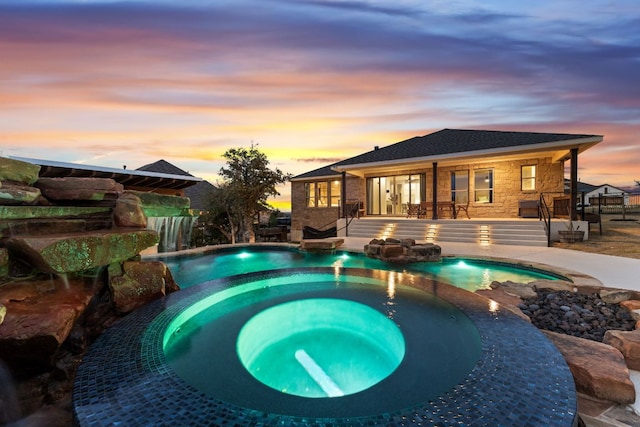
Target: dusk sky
113,83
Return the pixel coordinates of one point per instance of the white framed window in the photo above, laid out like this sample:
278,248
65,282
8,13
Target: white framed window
323,194
483,186
335,192
460,187
310,194
528,177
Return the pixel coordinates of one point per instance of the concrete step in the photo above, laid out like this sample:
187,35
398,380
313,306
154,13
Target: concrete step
524,233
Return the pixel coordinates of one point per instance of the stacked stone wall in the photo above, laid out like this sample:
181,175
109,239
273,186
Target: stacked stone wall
69,267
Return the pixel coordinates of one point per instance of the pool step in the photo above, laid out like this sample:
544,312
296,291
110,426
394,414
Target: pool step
515,232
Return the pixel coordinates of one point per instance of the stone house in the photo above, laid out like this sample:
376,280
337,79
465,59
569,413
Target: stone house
474,173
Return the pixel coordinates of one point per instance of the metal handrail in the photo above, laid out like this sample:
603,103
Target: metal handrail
545,215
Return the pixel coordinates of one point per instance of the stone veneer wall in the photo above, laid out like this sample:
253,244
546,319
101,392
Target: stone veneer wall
507,190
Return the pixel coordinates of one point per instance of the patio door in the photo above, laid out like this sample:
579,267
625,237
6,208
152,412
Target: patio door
391,195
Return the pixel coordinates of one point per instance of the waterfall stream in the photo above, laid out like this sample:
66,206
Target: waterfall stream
174,231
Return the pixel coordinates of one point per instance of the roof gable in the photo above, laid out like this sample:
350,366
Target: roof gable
162,166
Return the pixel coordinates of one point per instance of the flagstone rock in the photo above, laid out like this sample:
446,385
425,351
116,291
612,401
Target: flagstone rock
391,251
72,188
136,283
18,171
39,316
555,285
18,194
160,205
128,212
628,342
634,308
81,251
598,369
522,290
616,296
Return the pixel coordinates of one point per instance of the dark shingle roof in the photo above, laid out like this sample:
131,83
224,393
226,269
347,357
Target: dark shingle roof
318,173
451,141
162,166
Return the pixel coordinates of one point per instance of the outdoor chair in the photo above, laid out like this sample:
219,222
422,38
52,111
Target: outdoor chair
462,207
424,209
413,210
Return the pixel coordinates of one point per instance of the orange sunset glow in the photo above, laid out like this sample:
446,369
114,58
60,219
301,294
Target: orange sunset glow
312,82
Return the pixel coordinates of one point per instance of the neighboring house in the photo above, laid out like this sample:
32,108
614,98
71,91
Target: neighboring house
200,194
608,194
487,172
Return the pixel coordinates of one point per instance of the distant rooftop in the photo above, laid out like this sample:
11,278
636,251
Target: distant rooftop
126,177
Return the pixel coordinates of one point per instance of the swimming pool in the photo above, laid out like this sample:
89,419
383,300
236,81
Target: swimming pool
127,379
465,273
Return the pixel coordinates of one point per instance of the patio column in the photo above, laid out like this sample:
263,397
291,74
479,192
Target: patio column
573,185
434,195
343,193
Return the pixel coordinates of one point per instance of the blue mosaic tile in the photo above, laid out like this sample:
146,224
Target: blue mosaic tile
520,379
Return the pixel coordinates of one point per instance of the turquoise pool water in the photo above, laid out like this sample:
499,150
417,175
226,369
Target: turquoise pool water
321,343
469,274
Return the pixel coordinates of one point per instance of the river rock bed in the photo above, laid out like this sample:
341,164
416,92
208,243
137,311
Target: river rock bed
580,315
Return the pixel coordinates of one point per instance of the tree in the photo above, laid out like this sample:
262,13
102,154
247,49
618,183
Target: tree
248,184
220,222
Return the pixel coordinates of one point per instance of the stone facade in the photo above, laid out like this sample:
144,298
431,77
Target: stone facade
507,190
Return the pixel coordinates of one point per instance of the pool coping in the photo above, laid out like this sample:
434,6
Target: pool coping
125,378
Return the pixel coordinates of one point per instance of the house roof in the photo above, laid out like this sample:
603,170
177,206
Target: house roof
451,141
583,187
323,172
454,145
126,177
199,194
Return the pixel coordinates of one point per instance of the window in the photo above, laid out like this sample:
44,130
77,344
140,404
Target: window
483,183
528,178
460,187
335,193
322,194
310,194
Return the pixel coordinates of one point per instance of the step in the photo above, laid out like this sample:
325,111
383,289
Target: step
530,233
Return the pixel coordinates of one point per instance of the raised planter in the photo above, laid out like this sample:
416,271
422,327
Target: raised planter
571,236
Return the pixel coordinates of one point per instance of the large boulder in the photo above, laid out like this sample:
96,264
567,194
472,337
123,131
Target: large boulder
81,251
628,343
79,189
128,212
160,205
428,250
391,251
135,283
599,370
39,316
18,194
522,290
18,171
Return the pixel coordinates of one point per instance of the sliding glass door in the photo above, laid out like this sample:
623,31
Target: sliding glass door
391,195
